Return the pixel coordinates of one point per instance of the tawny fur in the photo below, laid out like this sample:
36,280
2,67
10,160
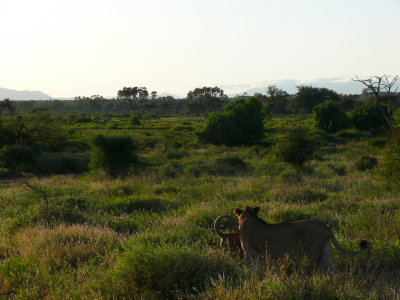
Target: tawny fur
311,238
229,241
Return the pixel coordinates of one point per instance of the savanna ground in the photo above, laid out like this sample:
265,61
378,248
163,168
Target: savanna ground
149,235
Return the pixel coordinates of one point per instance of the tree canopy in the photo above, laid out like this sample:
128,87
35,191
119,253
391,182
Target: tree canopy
307,97
241,123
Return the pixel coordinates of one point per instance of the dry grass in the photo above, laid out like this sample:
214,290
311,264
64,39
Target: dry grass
65,245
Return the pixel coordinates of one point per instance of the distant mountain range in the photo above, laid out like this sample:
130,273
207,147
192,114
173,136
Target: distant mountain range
23,95
38,95
340,85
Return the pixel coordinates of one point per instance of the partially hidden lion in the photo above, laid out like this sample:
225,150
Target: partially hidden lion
311,238
229,241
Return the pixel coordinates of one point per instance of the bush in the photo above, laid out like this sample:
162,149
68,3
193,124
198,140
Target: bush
128,205
19,158
391,160
367,116
241,123
148,271
182,128
7,137
308,97
171,169
176,154
338,169
301,196
84,120
228,165
62,163
377,142
330,117
113,154
196,169
366,162
40,128
135,121
288,215
290,177
295,147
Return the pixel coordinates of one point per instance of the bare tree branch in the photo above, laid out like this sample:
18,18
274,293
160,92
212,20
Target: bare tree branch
377,84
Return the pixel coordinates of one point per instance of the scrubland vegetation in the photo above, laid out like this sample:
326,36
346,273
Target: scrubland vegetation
121,205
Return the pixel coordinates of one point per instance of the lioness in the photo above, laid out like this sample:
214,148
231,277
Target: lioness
260,239
229,241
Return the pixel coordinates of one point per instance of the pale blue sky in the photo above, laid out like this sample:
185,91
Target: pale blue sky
86,47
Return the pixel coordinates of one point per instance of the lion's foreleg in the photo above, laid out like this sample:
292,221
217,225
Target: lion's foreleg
251,256
256,260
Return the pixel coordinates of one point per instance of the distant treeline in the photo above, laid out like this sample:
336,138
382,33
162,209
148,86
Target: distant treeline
199,101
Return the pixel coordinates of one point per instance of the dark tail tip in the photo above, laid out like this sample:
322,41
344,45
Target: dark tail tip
363,244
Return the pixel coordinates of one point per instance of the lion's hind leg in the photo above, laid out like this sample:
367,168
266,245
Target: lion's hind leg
326,257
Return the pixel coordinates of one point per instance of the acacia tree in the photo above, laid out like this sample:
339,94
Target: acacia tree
307,97
7,105
383,88
133,95
276,100
205,99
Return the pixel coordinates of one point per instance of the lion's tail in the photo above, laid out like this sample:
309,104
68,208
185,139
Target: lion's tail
363,246
216,224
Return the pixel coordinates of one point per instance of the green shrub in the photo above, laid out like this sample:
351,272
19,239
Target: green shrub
241,123
366,162
182,128
171,169
148,271
176,145
62,163
127,205
288,215
301,195
196,168
40,128
295,147
125,224
202,216
176,154
308,97
350,134
290,177
113,154
19,158
390,168
84,120
377,142
330,117
338,169
367,116
134,121
228,165
7,136
75,146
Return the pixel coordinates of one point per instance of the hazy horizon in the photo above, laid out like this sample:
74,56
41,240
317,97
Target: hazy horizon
72,48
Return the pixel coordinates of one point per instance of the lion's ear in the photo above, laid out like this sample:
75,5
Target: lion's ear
237,211
257,210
